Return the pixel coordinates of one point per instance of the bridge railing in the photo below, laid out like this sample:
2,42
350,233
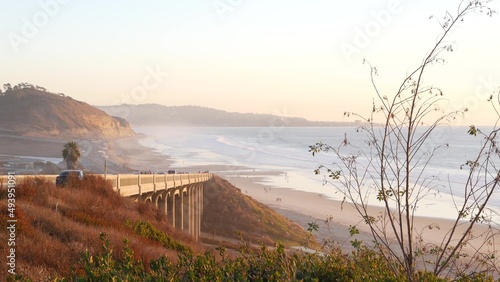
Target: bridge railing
20,178
134,184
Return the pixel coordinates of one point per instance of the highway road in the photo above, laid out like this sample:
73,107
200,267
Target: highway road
92,151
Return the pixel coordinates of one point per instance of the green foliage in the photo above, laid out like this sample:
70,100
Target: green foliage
312,226
263,264
105,267
473,130
147,230
384,194
353,230
334,174
71,154
19,277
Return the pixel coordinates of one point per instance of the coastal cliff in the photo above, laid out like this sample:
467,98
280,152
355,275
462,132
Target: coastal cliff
31,111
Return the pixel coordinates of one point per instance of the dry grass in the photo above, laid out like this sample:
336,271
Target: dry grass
229,213
55,225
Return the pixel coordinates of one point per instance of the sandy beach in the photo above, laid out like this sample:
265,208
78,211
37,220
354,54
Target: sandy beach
333,217
130,153
304,207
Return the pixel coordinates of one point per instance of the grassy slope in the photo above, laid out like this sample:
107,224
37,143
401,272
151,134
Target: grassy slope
55,225
229,213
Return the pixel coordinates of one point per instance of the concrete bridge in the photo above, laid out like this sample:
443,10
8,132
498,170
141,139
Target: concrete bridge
180,196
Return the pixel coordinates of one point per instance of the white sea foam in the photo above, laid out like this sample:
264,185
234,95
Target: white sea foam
286,150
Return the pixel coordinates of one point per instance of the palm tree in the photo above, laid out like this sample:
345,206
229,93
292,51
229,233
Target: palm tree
71,154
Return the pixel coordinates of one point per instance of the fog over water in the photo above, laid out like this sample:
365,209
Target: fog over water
286,150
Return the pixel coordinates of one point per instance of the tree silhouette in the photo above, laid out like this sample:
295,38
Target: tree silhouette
7,87
71,154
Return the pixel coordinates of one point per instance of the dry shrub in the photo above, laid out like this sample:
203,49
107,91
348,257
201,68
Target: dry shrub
85,218
228,212
34,189
145,250
24,222
46,252
102,187
37,272
160,215
92,201
67,239
56,224
148,210
96,185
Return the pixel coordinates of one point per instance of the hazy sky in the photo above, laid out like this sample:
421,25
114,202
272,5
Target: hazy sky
293,58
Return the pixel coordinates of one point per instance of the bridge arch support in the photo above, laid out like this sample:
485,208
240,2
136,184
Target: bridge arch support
180,197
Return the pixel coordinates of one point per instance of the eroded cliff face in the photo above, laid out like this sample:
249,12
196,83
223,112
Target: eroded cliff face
108,126
32,112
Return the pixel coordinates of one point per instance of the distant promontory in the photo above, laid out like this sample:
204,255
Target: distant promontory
154,114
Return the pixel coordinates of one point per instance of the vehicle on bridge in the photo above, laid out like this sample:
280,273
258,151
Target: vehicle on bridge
63,177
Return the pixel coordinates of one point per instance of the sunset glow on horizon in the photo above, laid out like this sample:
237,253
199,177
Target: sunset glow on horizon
288,58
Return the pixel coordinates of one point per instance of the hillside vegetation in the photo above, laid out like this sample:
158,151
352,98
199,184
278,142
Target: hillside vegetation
56,227
230,214
87,232
32,111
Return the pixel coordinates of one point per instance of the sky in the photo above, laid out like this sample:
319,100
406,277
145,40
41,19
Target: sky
288,58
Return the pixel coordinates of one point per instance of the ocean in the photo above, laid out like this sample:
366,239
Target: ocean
286,150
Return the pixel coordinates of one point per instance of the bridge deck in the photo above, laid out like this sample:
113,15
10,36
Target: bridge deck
134,184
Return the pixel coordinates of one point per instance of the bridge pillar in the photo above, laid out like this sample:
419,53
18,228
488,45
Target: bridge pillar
200,208
185,198
179,213
171,208
182,209
195,209
191,210
160,200
195,212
